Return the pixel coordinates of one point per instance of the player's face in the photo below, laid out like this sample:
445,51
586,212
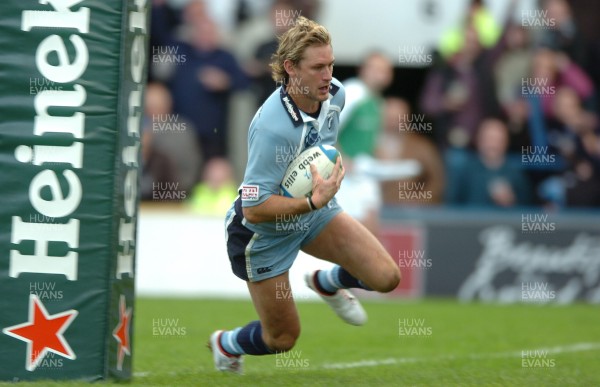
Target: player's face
314,73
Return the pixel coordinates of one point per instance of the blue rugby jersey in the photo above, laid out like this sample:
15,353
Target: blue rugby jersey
279,132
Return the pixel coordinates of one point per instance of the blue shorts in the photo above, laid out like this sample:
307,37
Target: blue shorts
258,256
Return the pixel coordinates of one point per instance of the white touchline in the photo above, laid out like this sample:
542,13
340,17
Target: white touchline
579,347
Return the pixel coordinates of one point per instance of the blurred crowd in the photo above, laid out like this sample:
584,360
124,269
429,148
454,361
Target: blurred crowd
507,115
515,109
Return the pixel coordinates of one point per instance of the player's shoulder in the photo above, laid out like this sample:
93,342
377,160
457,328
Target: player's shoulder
271,116
337,86
338,93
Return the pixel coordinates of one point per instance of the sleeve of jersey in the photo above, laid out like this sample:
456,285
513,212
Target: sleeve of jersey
263,171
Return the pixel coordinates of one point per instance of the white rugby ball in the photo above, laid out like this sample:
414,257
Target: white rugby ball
297,180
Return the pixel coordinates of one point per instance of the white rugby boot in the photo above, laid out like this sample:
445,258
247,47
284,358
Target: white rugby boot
343,303
224,362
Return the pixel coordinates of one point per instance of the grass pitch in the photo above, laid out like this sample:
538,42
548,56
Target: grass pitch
424,343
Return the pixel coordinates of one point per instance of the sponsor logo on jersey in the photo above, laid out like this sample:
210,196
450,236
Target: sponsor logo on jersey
290,108
250,192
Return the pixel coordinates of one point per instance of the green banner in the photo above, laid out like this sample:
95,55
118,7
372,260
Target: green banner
71,75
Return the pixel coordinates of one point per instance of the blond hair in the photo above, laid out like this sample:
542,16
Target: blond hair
293,43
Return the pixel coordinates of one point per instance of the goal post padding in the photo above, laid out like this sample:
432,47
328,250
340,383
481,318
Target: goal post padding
72,76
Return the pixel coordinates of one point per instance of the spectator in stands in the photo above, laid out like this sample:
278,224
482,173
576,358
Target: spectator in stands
214,195
552,70
308,8
173,136
203,84
260,28
282,18
578,141
459,93
574,119
231,14
564,34
157,169
478,17
194,12
512,67
400,140
490,178
361,118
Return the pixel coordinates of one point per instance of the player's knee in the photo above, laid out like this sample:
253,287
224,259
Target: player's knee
283,342
390,280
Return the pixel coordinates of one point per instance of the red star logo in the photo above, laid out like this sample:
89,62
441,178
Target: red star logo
43,333
121,332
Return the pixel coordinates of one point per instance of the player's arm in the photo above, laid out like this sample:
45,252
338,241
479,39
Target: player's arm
323,190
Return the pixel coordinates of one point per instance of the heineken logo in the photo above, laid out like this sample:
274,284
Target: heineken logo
62,203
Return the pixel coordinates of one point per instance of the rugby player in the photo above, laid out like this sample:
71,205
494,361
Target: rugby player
301,113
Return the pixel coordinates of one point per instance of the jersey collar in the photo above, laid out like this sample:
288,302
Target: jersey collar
298,117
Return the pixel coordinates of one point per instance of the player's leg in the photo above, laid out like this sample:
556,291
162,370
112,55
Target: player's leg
277,312
278,327
276,331
363,261
263,262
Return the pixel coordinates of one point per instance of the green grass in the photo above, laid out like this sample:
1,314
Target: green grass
469,345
